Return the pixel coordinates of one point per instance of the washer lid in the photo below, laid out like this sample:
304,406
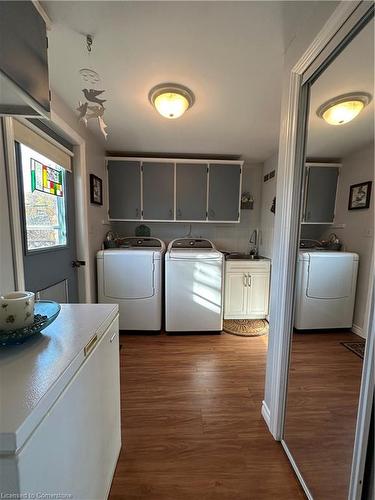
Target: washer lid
129,274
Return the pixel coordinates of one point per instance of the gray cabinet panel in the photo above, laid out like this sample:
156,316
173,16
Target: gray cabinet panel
321,194
23,53
191,191
158,191
224,192
124,187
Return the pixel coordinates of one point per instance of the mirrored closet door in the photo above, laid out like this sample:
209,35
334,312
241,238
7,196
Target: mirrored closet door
333,271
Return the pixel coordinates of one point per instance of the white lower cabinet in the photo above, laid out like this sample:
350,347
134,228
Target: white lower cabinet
246,289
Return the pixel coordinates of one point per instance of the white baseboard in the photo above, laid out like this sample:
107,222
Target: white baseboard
358,331
266,414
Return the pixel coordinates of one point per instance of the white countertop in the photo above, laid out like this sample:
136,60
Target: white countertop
33,374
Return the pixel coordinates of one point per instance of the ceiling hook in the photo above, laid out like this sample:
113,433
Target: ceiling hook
89,43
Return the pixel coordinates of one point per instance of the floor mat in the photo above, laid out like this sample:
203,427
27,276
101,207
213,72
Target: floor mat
246,327
357,347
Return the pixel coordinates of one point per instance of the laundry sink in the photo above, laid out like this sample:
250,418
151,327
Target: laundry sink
243,256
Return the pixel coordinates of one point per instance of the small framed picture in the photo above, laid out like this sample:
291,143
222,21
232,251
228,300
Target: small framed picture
96,190
360,195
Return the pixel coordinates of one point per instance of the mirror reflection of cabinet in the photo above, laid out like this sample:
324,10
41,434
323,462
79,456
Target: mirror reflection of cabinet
320,193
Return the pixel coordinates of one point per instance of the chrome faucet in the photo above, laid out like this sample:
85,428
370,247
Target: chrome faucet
254,242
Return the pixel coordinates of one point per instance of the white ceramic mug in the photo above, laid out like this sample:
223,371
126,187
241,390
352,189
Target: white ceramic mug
16,310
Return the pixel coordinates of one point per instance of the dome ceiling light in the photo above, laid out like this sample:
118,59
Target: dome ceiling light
342,109
171,100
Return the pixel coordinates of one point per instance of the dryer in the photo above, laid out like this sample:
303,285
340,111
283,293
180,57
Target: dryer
193,286
132,277
325,289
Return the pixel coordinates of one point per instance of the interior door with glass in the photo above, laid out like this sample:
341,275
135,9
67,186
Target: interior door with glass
46,194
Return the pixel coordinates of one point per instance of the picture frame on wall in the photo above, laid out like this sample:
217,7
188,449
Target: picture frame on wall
96,190
360,195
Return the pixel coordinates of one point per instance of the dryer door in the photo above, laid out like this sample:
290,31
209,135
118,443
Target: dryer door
330,276
129,274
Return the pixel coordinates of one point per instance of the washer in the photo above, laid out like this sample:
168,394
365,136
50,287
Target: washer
132,277
193,286
325,289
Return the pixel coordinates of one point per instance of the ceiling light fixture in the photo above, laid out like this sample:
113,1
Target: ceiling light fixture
171,100
342,109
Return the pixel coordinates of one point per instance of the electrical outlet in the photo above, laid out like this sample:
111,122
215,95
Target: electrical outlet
368,232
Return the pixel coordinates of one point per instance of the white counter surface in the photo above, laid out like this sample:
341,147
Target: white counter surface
33,375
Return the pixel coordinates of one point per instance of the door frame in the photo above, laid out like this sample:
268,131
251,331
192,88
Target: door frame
80,195
289,179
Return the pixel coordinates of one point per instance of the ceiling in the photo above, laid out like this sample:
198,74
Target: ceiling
230,54
351,71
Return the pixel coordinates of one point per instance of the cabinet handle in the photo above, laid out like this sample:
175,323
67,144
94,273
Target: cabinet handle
179,213
170,212
113,336
137,212
249,280
244,280
212,212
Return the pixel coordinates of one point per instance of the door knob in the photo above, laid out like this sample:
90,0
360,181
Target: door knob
78,263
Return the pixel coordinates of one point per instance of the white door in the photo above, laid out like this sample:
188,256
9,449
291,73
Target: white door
257,298
235,295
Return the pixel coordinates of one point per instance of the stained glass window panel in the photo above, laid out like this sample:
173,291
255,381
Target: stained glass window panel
44,200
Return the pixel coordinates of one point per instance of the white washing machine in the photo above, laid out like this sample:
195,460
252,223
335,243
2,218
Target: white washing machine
325,289
132,277
193,286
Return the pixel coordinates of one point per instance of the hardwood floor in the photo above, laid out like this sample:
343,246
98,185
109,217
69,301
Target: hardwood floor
323,394
192,428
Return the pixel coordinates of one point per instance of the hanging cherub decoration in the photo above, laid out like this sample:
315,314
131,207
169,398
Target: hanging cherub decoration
93,108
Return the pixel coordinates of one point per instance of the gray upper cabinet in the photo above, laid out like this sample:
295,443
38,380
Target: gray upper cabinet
320,198
191,191
158,191
24,76
152,189
224,192
124,188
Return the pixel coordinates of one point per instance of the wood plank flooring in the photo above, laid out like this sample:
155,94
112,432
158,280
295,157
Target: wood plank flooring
192,428
323,394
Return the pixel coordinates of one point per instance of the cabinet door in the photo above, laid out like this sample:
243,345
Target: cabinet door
321,194
224,192
191,191
158,191
235,295
124,188
258,291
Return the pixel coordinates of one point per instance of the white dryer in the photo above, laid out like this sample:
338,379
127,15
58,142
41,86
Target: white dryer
132,277
325,289
193,286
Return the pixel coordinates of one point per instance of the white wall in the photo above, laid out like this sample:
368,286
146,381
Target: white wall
228,237
316,15
358,233
267,218
6,258
95,164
